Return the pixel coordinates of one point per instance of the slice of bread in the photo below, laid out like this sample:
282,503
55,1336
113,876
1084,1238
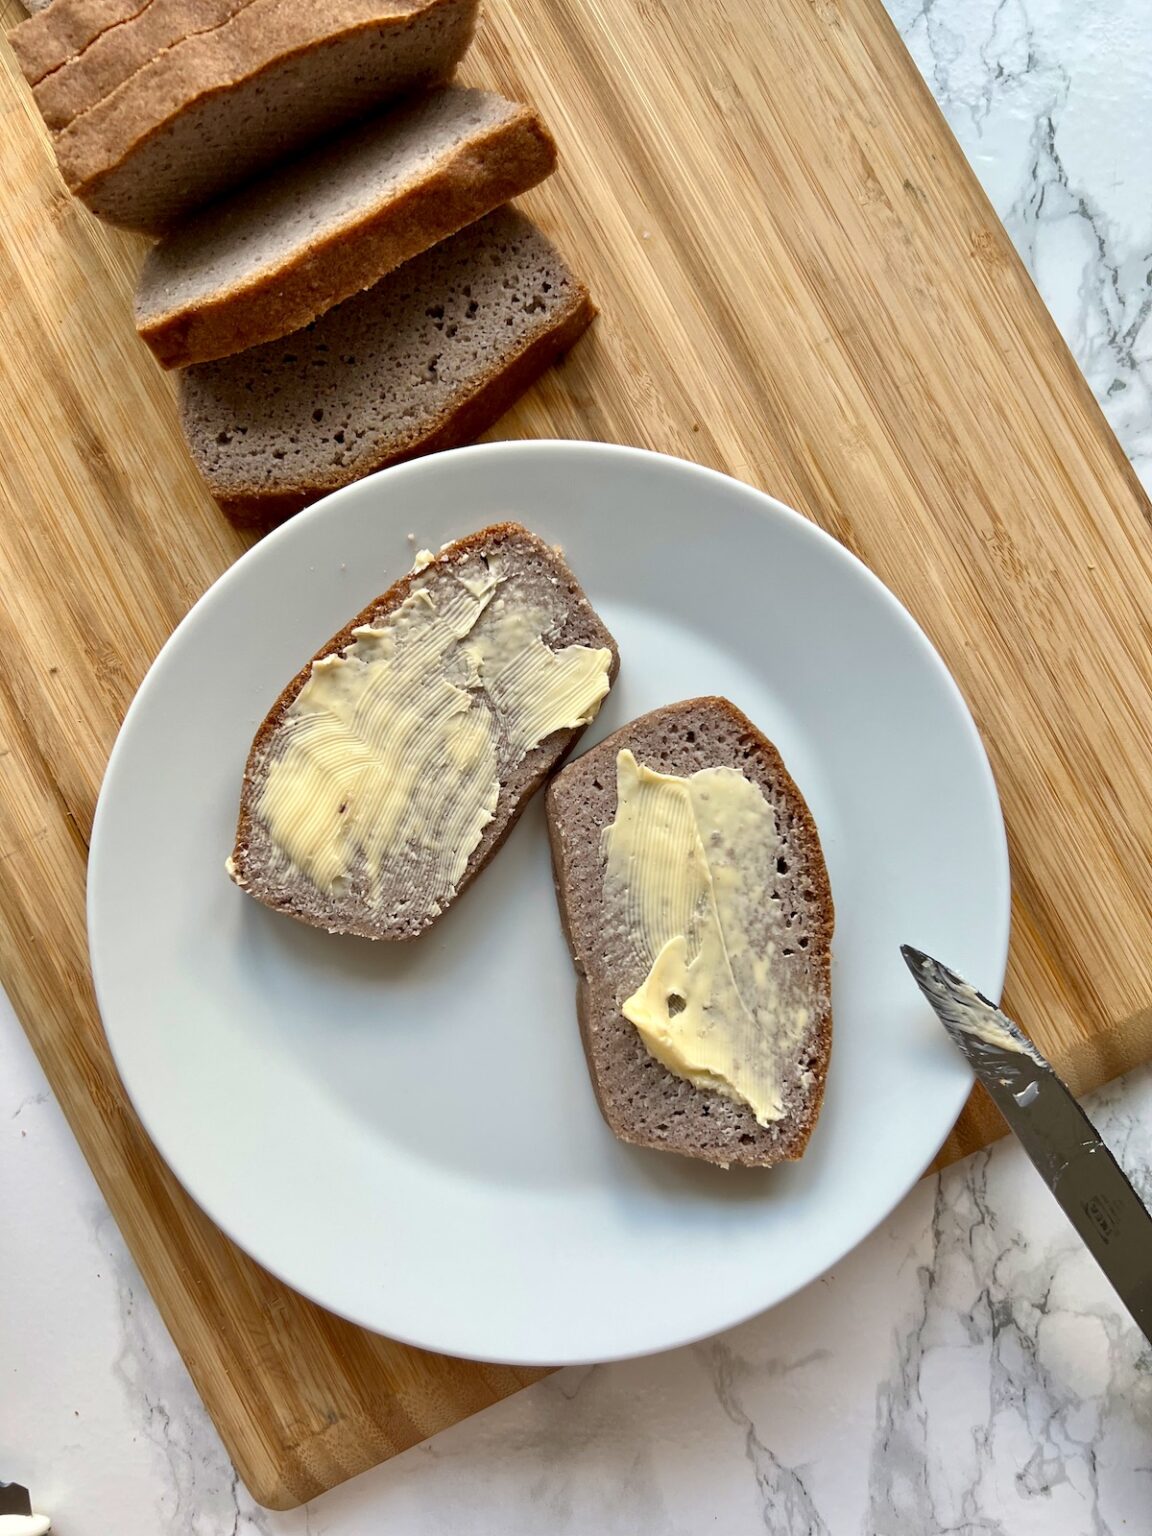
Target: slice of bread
58,30
283,251
120,51
535,587
427,359
212,112
642,1100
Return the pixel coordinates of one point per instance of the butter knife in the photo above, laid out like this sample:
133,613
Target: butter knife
1057,1135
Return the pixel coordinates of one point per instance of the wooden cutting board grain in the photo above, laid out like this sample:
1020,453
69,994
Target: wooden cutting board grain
801,284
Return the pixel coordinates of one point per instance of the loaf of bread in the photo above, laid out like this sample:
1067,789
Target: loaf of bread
283,251
426,359
393,766
110,59
209,113
56,31
765,866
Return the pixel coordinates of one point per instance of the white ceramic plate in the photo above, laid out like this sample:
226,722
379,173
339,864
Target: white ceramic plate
407,1134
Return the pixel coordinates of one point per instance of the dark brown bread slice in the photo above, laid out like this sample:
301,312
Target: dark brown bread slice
537,577
120,51
283,251
56,31
642,1101
212,112
427,359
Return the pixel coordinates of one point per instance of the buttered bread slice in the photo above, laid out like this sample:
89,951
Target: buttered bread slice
696,903
393,766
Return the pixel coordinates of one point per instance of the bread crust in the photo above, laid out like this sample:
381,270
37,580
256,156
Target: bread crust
541,761
119,51
744,1141
47,39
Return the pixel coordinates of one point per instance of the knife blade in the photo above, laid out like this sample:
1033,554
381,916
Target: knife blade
1064,1145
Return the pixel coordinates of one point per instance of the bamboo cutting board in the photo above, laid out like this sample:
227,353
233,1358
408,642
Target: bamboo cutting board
801,284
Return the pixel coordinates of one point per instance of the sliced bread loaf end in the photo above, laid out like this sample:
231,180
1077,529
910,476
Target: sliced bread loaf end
506,598
284,250
120,51
789,923
217,109
426,359
57,30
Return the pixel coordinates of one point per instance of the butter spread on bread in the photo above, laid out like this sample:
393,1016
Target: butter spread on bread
392,750
696,904
688,862
390,769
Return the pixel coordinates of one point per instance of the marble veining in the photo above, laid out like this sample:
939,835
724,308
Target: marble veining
1048,100
1017,1338
967,1370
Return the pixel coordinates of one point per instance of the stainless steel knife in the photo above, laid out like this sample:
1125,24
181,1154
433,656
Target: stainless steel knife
1055,1132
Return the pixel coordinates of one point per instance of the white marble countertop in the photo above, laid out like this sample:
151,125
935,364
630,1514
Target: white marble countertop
967,1370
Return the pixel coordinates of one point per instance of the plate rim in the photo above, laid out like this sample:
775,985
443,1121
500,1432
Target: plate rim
999,877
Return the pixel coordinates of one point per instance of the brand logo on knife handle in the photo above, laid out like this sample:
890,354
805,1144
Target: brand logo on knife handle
1102,1214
